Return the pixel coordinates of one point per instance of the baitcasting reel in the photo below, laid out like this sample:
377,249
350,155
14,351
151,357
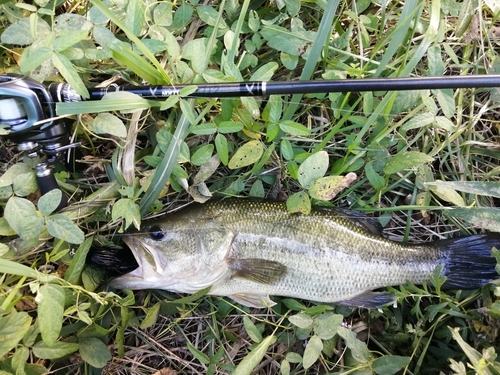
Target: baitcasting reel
27,116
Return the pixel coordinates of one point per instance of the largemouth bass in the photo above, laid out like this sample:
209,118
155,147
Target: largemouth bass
251,250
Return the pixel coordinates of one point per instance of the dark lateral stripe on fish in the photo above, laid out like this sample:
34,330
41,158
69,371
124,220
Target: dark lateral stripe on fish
468,262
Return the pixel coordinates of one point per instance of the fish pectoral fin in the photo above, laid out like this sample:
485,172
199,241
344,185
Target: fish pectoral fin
258,270
253,300
369,300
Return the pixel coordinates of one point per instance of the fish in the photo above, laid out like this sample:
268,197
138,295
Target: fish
251,250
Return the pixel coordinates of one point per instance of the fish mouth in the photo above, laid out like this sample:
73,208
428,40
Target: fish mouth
114,260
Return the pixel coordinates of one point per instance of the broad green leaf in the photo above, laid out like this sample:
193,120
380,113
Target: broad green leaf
246,366
103,35
293,357
134,16
436,65
444,123
446,102
253,21
106,123
188,90
75,269
202,154
198,354
285,367
257,190
5,229
286,149
418,121
252,330
446,193
390,364
289,61
151,316
129,210
69,39
12,329
247,154
94,351
5,192
314,167
20,33
170,102
66,69
325,325
359,350
294,128
485,218
49,201
17,169
376,180
327,188
312,351
229,127
4,249
50,300
406,160
272,132
471,353
35,59
265,72
72,22
206,128
195,51
293,7
60,226
209,15
301,320
473,187
25,184
20,359
299,202
58,350
21,215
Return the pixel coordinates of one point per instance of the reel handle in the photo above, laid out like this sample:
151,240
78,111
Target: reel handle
47,182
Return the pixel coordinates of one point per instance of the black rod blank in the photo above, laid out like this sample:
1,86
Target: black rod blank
64,92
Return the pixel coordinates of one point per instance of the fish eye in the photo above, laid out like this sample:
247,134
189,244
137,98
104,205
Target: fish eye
156,233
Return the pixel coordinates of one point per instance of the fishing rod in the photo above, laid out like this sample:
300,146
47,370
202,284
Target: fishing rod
62,92
27,108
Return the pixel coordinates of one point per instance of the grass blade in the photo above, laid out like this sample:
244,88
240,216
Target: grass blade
314,55
161,76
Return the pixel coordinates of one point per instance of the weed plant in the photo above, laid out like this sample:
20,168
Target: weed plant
425,163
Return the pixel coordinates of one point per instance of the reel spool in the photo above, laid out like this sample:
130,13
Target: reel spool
26,115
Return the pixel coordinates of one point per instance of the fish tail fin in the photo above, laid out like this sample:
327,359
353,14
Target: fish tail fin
468,262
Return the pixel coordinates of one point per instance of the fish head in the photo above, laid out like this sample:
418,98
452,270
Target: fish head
181,254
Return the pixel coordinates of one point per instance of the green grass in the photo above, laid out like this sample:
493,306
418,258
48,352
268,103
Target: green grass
54,313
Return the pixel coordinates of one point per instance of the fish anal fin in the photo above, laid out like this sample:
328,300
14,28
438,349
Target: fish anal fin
261,271
253,300
369,300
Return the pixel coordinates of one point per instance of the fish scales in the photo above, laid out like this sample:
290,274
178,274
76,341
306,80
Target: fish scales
251,250
327,257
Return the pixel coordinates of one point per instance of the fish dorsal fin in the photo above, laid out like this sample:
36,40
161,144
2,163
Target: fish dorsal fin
261,271
367,223
369,300
253,300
